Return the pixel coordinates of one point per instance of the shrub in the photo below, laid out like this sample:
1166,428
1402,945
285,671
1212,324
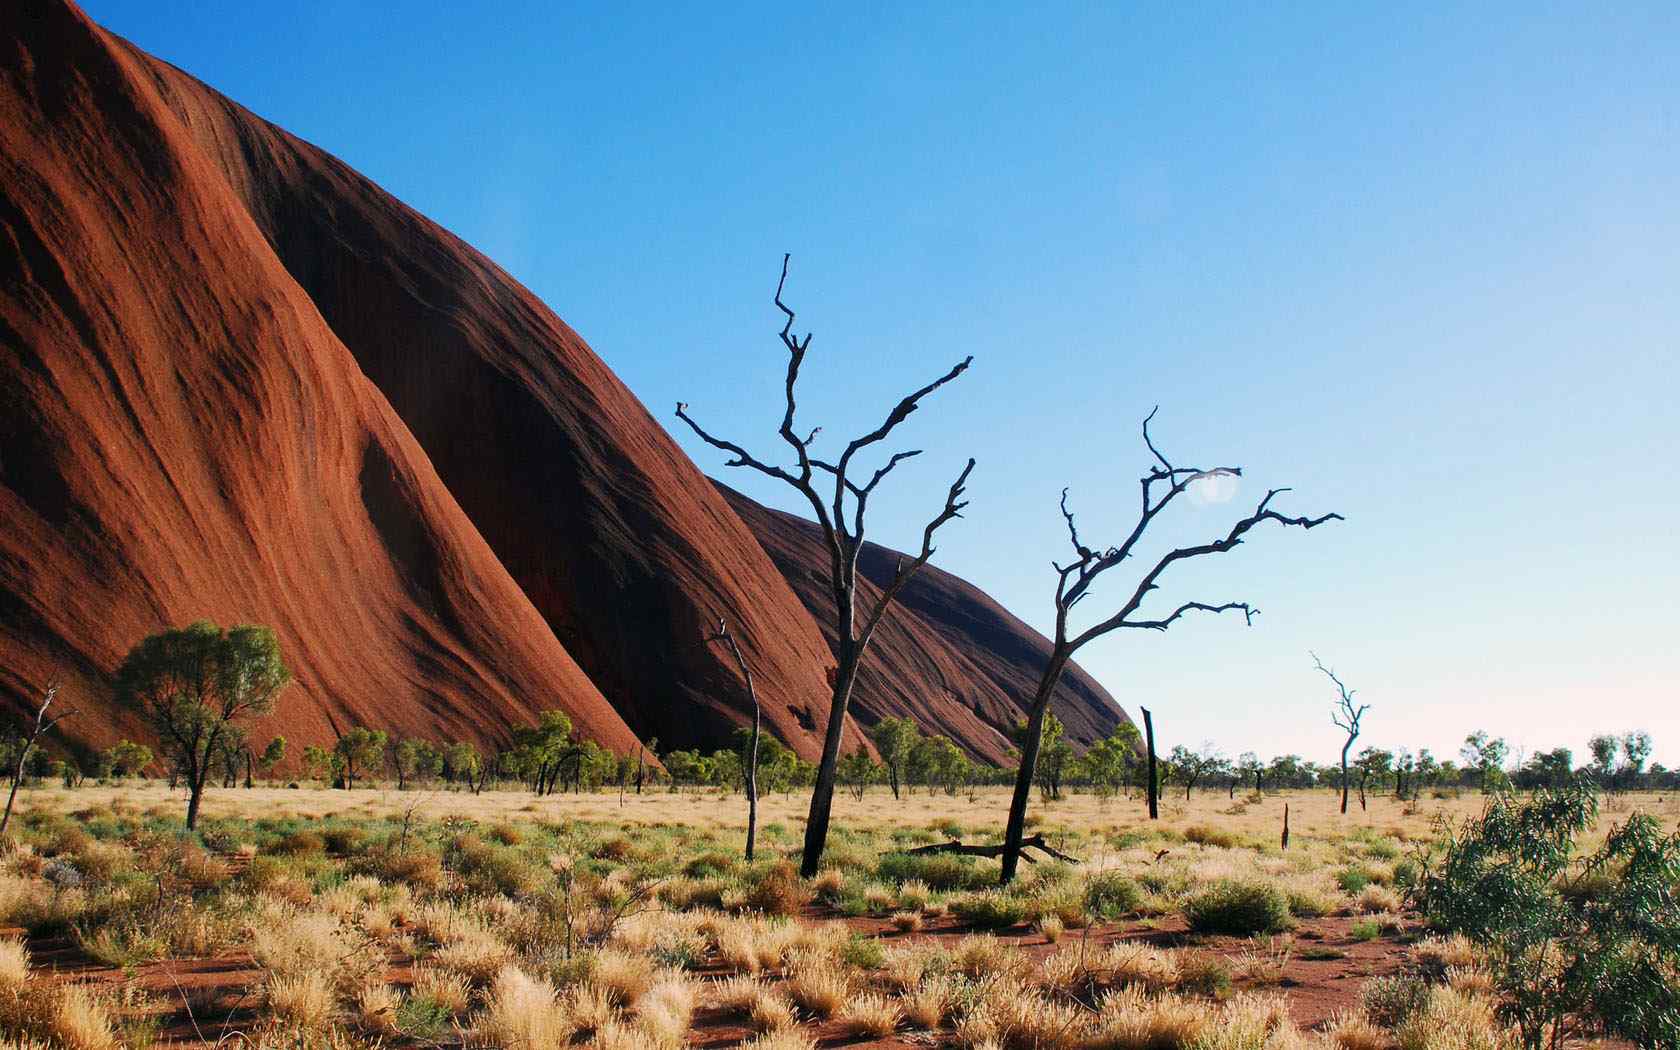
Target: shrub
1365,930
710,866
1608,957
1111,895
991,910
941,871
1206,836
863,953
1206,975
343,840
1352,880
1392,1001
298,843
1241,909
778,891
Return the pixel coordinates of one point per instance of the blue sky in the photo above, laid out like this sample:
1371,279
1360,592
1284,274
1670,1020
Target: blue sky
1422,266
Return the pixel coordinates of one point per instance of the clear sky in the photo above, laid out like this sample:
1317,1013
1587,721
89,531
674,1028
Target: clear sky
1422,266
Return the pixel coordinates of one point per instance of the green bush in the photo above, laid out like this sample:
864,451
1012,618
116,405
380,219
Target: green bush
991,910
1241,909
1206,836
942,871
864,953
1567,948
1365,930
1353,880
1391,1001
1207,975
1111,895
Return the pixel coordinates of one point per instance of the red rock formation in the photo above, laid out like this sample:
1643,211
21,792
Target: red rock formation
183,436
238,380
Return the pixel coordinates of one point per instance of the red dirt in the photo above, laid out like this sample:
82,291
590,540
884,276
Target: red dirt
203,999
240,381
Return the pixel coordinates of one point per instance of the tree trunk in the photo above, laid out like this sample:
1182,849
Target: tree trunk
196,789
1028,769
1154,783
11,796
1362,779
1344,774
752,776
822,792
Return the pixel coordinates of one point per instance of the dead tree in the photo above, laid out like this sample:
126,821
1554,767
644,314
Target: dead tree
26,743
751,764
840,515
1346,718
1073,585
1154,787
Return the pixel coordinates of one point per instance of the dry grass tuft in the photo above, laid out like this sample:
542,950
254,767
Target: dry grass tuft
787,1039
771,1013
376,1010
929,1004
303,999
14,965
523,1013
871,1014
664,1011
820,988
1131,1020
1140,966
448,990
622,976
906,921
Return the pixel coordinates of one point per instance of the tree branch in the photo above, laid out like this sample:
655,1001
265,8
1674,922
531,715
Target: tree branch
953,509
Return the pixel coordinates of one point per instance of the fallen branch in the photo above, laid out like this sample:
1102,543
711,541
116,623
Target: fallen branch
956,846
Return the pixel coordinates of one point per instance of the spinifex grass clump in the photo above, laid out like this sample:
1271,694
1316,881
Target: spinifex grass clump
1241,909
1562,959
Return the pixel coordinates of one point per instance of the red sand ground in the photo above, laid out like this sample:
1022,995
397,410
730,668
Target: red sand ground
205,998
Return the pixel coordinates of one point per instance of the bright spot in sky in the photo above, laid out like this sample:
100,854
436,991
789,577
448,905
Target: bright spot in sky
1212,486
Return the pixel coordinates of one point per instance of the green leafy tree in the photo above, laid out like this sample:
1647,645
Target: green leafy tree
1486,755
1636,751
942,764
1054,753
896,739
194,684
360,753
1193,767
463,764
272,755
1373,763
320,763
858,771
414,759
685,768
128,758
1249,765
1570,944
1107,764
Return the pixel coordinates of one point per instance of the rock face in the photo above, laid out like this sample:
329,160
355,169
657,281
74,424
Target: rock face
240,381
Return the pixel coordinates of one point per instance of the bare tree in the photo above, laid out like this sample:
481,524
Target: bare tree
841,517
1074,581
26,743
751,764
1346,717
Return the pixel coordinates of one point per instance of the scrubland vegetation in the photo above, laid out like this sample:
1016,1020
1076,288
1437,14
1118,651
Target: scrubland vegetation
336,918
